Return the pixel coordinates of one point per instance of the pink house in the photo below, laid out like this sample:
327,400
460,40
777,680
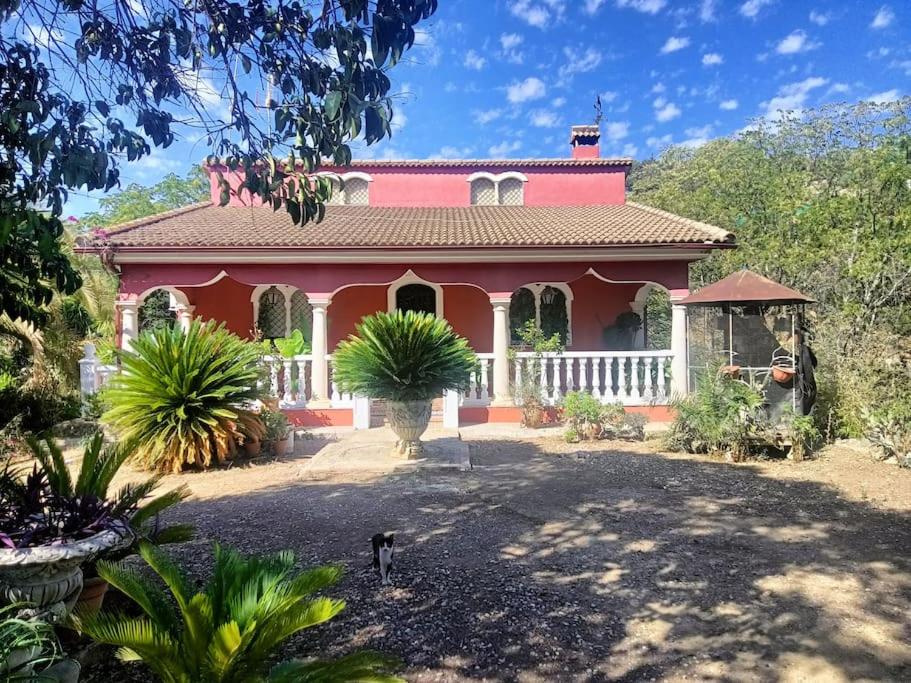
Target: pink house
484,243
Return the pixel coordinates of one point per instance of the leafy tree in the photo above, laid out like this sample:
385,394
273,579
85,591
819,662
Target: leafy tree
138,201
74,74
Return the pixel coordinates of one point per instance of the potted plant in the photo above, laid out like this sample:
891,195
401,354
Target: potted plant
278,434
529,389
407,359
132,502
47,537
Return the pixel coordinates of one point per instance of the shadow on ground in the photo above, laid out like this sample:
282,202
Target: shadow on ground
606,564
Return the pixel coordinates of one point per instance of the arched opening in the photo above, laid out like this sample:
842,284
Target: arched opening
548,306
522,308
657,319
272,317
156,311
302,315
416,297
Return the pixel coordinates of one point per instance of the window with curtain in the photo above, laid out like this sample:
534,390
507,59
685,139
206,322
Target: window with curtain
272,313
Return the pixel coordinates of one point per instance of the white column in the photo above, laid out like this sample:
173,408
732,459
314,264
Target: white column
361,418
451,400
319,376
638,307
679,363
87,371
184,316
501,393
129,322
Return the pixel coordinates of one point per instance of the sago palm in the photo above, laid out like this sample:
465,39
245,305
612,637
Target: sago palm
228,632
403,357
182,397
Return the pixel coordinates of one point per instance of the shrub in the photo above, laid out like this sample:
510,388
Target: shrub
890,429
408,356
528,392
182,398
803,433
295,345
230,630
719,416
275,424
582,413
27,647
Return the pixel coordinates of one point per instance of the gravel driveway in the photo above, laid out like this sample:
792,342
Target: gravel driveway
595,562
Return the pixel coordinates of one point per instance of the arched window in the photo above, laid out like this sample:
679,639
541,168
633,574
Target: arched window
156,311
548,306
357,192
416,297
512,192
272,315
352,188
301,315
483,192
504,189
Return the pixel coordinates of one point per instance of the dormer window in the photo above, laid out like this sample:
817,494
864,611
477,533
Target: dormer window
504,189
353,190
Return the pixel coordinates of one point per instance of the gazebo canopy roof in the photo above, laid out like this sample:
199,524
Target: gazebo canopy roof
743,288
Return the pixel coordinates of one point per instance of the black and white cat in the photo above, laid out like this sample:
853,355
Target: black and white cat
382,555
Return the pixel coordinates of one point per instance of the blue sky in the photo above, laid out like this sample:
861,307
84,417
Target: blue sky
501,78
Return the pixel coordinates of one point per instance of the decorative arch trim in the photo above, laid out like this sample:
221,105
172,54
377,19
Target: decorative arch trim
496,178
410,278
537,288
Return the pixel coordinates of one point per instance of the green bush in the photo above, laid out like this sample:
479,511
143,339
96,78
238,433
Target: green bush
890,428
275,424
33,641
183,397
400,356
718,417
230,630
803,432
582,413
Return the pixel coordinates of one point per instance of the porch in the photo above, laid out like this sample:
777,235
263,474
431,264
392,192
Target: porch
581,306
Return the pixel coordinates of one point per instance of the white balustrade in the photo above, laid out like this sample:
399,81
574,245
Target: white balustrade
337,398
479,388
289,379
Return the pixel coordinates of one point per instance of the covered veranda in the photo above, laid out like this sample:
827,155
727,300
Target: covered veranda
326,300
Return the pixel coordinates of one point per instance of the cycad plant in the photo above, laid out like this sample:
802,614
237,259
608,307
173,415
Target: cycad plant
408,356
182,398
229,631
132,502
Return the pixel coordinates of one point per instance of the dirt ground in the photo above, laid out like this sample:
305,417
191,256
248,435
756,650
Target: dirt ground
592,562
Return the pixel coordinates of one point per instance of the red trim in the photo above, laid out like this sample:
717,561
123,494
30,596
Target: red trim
329,417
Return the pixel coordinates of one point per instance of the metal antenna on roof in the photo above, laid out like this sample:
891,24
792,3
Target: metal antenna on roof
598,114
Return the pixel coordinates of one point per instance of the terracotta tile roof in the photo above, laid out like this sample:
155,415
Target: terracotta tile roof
481,163
206,225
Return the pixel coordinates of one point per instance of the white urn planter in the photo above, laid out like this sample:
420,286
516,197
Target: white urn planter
409,420
49,577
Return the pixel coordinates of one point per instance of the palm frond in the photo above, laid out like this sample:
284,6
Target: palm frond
149,597
361,667
51,458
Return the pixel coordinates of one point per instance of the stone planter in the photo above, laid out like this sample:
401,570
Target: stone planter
409,419
50,576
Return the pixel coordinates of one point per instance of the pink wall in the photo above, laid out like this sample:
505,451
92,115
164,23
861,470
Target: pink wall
469,312
596,304
348,306
226,300
447,186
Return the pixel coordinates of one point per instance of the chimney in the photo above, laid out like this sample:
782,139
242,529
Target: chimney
584,141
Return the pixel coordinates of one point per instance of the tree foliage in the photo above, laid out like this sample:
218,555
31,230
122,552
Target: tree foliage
821,201
85,86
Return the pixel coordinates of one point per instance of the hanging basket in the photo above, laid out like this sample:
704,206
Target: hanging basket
732,371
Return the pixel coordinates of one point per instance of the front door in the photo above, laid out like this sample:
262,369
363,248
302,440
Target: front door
416,297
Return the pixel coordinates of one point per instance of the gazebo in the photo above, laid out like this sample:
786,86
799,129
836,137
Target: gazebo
753,328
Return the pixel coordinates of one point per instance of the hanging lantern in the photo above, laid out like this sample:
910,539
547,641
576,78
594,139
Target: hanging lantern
548,296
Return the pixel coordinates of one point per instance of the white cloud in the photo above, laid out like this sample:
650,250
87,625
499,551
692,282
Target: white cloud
485,116
592,6
707,11
820,18
41,36
608,96
544,118
712,59
656,142
884,16
509,44
729,105
616,130
531,88
838,88
658,87
659,102
630,150
792,96
644,6
558,101
504,148
795,42
450,152
428,52
673,44
884,97
474,61
697,137
538,14
578,62
667,112
751,8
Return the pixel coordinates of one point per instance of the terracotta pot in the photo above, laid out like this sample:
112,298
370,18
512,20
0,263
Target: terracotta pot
732,371
409,420
280,447
533,417
253,448
92,596
783,375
